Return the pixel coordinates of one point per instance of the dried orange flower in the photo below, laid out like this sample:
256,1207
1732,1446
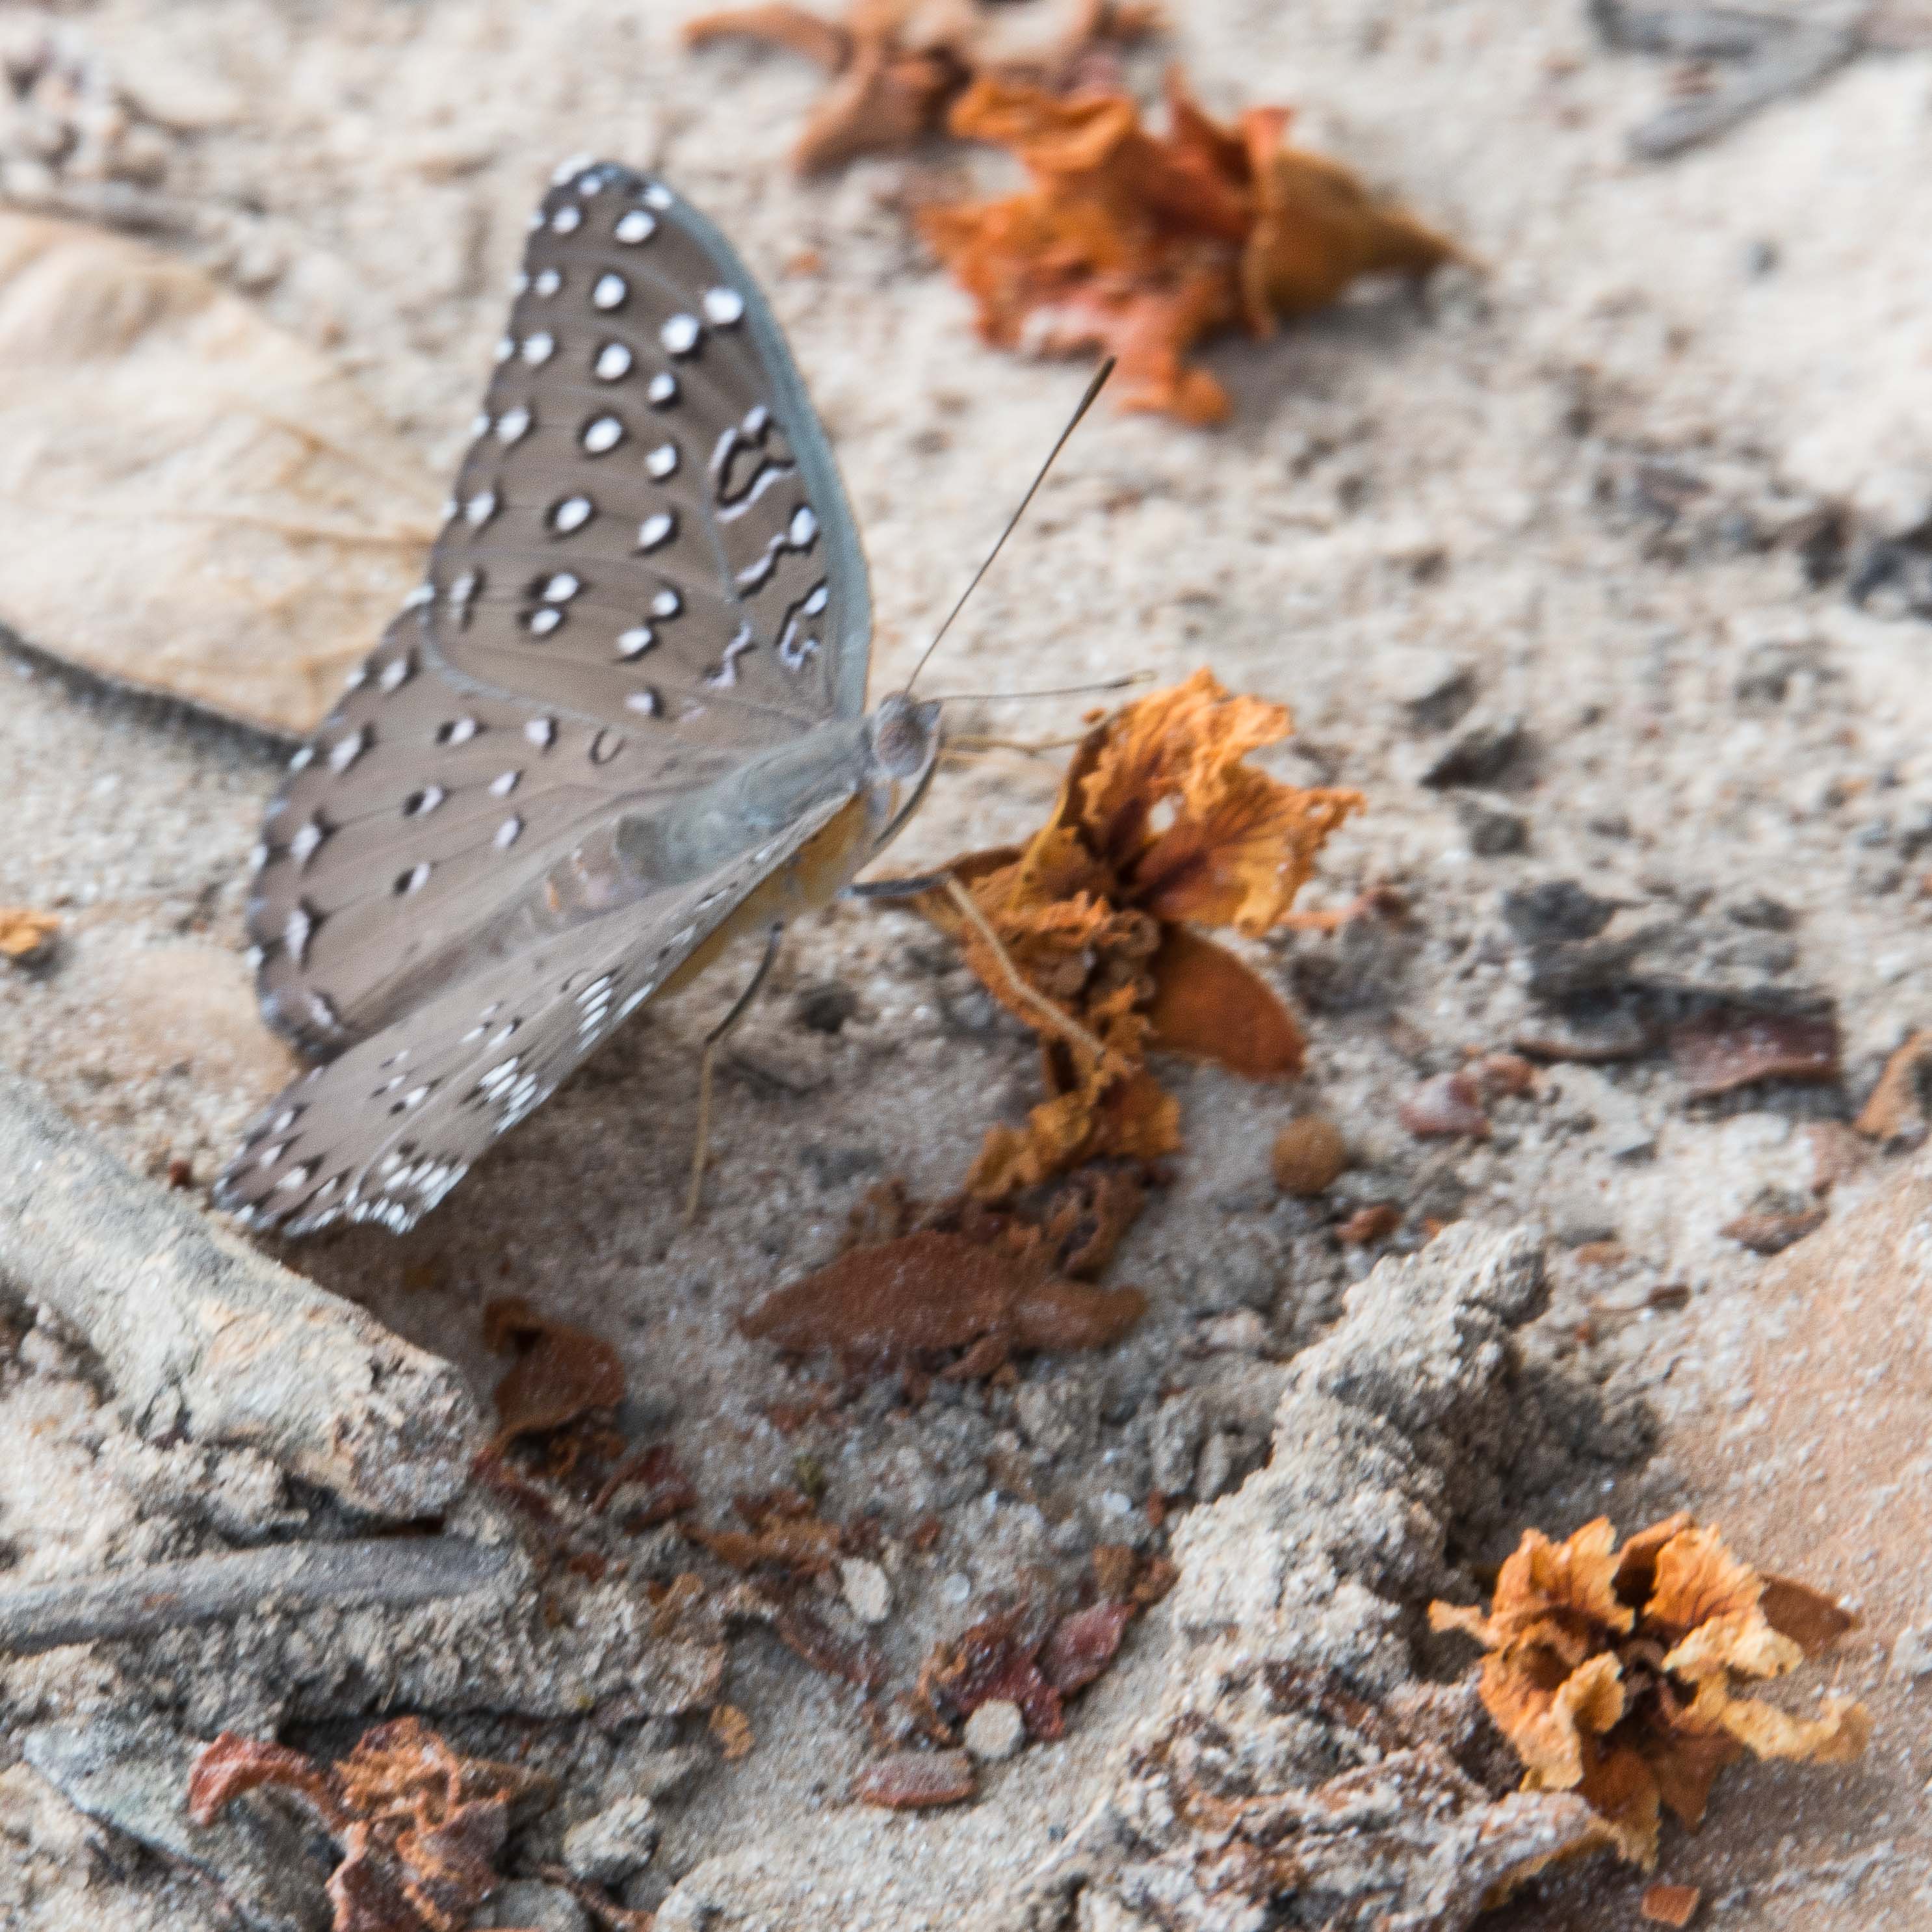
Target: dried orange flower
1160,825
1142,244
420,1826
897,64
1613,1672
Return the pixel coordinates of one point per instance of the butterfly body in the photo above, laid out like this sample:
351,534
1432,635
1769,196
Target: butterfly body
621,724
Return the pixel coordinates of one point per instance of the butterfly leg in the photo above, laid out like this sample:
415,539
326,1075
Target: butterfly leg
713,1040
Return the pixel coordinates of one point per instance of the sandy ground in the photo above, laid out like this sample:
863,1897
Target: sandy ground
1590,483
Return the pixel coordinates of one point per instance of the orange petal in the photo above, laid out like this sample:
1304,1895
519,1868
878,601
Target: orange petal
1209,1005
1621,1788
1319,229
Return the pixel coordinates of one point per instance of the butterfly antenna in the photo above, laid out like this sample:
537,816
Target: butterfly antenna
1086,402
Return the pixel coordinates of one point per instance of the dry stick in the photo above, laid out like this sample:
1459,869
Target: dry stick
1804,57
1023,990
394,1571
203,1337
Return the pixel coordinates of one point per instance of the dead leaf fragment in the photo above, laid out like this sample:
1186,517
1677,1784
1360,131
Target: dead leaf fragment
420,1827
1724,1047
1450,1106
1767,1233
1367,1225
1142,245
910,1780
560,1373
1080,1647
1161,826
26,937
897,64
1670,1904
733,1730
918,1282
1899,1105
1615,1673
195,502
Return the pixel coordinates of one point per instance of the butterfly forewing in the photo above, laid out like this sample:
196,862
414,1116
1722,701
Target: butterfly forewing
648,523
650,573
648,578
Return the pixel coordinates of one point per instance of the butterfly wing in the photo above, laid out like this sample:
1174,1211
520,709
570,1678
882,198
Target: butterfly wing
384,1130
650,574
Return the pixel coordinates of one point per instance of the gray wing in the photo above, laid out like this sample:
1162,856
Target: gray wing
650,572
384,1130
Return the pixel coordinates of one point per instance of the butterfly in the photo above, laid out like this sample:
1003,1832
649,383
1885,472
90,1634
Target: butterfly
620,724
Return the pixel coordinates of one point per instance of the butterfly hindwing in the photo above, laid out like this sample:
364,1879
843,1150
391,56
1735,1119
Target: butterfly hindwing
383,1131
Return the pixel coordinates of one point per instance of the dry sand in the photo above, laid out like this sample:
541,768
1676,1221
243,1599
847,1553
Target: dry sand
1619,483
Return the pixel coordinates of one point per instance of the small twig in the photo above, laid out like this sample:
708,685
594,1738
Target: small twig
1687,30
1801,59
1023,989
390,1571
201,1336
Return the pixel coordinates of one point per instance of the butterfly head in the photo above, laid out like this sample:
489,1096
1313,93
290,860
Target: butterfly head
905,736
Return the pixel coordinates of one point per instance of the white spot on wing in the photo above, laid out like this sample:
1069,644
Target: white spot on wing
541,732
662,461
725,307
609,292
613,363
634,226
681,334
602,435
657,529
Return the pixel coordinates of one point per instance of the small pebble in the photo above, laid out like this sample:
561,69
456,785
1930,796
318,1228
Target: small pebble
866,1589
533,1906
619,1840
995,1731
1309,1156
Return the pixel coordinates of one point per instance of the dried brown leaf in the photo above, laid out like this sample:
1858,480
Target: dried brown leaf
915,1300
560,1373
195,502
1724,1047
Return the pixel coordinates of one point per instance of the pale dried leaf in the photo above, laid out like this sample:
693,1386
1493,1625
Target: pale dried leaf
196,501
